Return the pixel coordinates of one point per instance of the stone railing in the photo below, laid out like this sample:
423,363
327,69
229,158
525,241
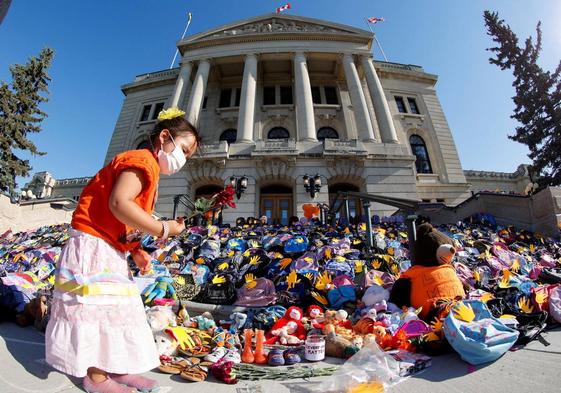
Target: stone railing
76,180
278,146
397,66
339,147
217,149
156,75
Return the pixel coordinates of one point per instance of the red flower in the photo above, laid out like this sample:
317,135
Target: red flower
223,372
224,197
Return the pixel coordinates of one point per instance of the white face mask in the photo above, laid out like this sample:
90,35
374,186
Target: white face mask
171,163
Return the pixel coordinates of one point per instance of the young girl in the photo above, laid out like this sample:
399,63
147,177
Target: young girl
98,328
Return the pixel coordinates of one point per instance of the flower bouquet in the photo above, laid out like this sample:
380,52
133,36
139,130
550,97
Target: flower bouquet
210,208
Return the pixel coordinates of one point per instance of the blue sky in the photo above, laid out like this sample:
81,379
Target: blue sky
102,45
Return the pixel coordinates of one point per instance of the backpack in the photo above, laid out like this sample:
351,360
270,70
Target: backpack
219,293
555,304
481,340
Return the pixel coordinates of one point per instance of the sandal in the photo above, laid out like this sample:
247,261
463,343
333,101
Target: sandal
195,373
173,366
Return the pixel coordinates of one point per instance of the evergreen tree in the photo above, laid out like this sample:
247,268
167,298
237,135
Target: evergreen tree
20,115
537,98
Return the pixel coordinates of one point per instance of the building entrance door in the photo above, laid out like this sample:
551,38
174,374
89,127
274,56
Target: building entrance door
276,204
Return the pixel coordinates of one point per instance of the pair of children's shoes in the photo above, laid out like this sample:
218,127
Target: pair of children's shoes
125,383
278,357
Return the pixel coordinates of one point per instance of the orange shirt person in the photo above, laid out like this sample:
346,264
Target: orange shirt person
98,329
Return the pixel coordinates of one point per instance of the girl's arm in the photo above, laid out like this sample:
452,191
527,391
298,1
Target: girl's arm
128,186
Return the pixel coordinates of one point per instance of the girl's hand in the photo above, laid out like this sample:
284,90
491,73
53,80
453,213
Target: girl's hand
143,260
176,226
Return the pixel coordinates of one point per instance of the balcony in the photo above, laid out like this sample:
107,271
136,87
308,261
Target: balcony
217,150
275,146
336,147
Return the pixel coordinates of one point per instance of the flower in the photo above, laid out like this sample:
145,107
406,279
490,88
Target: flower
170,113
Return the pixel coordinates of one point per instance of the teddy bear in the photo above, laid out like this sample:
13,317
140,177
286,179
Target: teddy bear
431,276
34,313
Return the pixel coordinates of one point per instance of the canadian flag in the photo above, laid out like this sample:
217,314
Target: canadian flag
374,20
283,8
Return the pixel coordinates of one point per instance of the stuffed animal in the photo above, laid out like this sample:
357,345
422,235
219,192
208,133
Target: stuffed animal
293,314
165,344
34,313
315,317
285,335
160,317
342,321
205,322
376,298
431,276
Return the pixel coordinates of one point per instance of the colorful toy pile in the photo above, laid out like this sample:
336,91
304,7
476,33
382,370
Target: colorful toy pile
305,292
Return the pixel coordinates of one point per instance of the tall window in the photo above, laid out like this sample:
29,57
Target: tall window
269,95
421,153
145,112
286,95
230,136
331,95
278,133
157,109
225,97
400,104
327,133
325,95
413,105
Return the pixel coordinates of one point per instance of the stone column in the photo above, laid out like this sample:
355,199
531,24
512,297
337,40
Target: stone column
198,93
178,95
360,109
304,104
381,107
246,117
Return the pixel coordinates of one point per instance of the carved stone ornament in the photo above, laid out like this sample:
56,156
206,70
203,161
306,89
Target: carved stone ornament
277,26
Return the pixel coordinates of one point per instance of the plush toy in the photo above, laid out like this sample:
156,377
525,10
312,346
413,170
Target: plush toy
285,335
431,276
161,288
34,313
293,314
376,297
165,344
315,317
160,317
205,322
337,346
342,321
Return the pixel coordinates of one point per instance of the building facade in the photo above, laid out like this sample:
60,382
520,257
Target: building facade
279,97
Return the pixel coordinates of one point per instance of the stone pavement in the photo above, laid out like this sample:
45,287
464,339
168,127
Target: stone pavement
535,369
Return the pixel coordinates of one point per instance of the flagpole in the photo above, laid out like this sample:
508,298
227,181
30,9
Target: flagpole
183,36
376,38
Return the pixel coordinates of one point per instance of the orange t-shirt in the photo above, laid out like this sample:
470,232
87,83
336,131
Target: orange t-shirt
432,283
93,216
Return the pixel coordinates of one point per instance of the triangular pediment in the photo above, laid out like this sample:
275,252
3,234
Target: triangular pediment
278,24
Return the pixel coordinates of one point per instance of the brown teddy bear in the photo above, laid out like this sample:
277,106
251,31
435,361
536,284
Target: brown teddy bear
34,313
431,276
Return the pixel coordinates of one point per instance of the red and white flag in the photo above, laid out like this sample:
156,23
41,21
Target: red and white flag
375,20
283,8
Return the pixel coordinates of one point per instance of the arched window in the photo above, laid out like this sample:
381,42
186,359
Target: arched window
230,136
419,149
207,191
278,133
327,133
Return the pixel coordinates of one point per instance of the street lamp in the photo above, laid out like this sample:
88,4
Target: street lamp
312,185
239,184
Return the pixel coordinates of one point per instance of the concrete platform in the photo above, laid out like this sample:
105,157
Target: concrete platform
535,369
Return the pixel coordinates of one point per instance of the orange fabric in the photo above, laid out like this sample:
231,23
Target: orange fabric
432,283
92,214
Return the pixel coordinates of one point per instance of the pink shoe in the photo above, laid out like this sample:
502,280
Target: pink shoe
143,384
107,386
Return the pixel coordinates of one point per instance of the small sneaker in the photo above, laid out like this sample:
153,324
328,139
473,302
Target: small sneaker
291,357
275,357
216,354
107,386
233,356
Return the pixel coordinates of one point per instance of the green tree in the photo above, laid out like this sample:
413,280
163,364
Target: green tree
537,99
20,115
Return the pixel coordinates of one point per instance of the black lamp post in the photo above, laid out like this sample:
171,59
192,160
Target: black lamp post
239,184
312,184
